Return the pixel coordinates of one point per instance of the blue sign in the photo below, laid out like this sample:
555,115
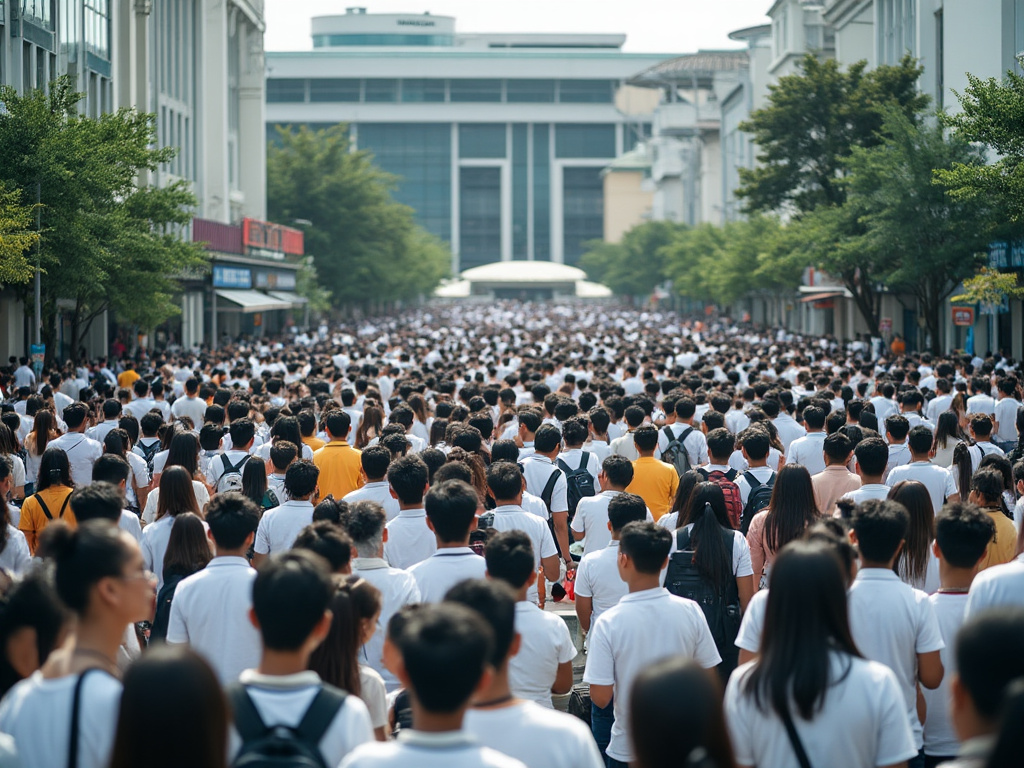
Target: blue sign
232,277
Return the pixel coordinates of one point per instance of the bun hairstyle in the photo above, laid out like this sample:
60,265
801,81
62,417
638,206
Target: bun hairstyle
82,557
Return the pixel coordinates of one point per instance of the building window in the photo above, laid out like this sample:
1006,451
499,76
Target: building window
420,91
585,141
530,91
384,90
541,192
331,90
330,41
39,12
586,91
520,190
285,91
480,216
583,210
484,140
97,28
475,90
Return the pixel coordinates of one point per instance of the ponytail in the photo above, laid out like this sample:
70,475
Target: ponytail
711,557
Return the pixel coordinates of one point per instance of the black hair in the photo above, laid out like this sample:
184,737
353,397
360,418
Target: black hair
289,597
451,508
495,602
626,508
984,673
338,423
242,431
963,533
231,517
880,525
721,443
97,501
712,557
547,438
210,436
408,477
814,417
109,468
30,603
433,458
54,469
646,438
574,431
791,509
510,557
505,480
375,461
183,452
282,454
912,563
445,649
301,478
872,456
618,470
327,540
333,511
83,556
989,483
646,544
837,447
756,442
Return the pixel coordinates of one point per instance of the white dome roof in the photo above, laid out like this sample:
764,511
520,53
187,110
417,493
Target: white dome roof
524,272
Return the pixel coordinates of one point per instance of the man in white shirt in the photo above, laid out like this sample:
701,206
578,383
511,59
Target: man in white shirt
981,400
598,422
290,598
647,625
1006,414
891,622
366,526
507,484
787,427
872,455
374,462
574,434
111,417
623,445
541,738
598,584
23,375
690,437
981,427
81,451
590,524
190,405
809,449
210,611
941,402
142,404
547,481
884,405
410,540
544,662
755,446
280,526
451,515
896,430
232,462
938,480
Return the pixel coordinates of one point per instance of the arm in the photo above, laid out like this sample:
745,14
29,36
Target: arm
584,611
578,535
929,669
757,554
601,695
257,559
550,567
563,678
561,522
746,656
745,585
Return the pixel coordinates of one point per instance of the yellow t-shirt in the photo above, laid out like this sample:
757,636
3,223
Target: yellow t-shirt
656,483
314,443
127,378
339,465
34,520
1003,548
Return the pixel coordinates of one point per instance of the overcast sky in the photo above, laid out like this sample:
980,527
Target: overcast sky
657,26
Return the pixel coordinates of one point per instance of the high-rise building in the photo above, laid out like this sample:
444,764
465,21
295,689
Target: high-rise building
499,140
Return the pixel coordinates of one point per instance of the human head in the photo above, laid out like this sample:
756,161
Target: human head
837,448
109,469
54,469
646,439
375,461
242,432
510,558
505,481
337,423
721,443
366,523
177,493
451,511
188,548
981,425
644,546
986,487
408,477
232,519
495,602
880,527
618,472
623,509
289,601
300,479
872,455
962,534
984,674
547,439
98,501
32,623
329,541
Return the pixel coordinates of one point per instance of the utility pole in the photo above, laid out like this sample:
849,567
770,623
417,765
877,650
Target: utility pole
39,308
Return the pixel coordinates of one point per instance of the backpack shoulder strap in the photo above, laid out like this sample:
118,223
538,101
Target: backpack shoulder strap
704,471
549,489
682,539
42,505
248,722
584,460
229,467
685,434
563,466
321,713
731,474
667,429
76,706
64,505
751,480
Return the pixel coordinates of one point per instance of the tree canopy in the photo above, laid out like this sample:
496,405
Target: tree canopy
15,238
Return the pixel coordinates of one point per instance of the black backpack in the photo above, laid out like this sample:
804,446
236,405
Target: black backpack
722,610
675,454
162,618
579,483
757,500
281,746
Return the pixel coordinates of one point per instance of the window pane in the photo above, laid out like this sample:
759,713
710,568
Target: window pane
480,216
520,190
486,140
530,91
586,91
422,90
279,91
324,89
381,90
476,90
541,193
583,200
585,141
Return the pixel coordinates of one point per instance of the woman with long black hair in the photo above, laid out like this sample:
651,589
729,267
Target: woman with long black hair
790,512
50,501
810,698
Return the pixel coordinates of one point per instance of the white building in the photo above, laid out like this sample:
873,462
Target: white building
499,139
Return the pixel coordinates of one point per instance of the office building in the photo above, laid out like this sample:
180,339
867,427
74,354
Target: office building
499,140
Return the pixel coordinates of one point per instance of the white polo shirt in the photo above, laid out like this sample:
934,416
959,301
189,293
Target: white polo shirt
643,628
280,526
899,455
938,480
597,577
808,451
410,541
574,457
154,546
446,568
752,625
15,556
397,588
512,518
867,492
998,586
863,721
939,735
789,429
892,622
1006,415
129,523
540,737
82,453
538,470
284,699
591,519
210,612
379,492
545,643
452,749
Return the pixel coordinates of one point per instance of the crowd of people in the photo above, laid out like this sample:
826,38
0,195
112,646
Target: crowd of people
361,547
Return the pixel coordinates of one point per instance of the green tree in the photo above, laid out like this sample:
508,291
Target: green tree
812,122
923,241
15,238
367,248
992,114
107,241
990,288
636,266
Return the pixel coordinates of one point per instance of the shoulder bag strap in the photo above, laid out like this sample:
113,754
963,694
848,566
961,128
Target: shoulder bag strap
794,739
682,539
76,705
42,505
321,713
584,461
752,481
549,488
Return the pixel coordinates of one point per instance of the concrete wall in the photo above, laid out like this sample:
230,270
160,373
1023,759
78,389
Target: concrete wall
627,203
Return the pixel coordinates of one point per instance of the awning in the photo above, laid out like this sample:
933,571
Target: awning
251,301
821,296
292,298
